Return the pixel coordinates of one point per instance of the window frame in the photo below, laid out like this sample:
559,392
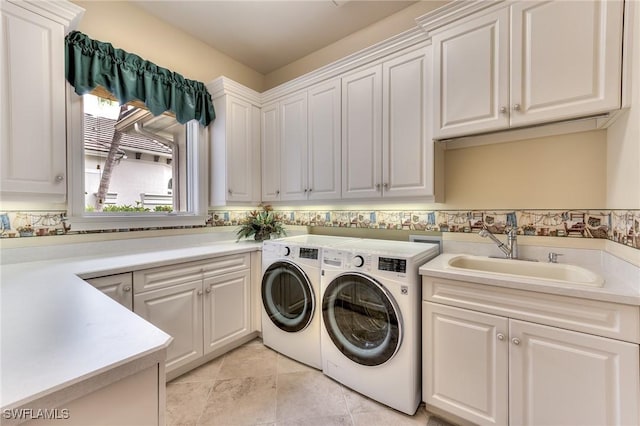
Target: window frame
196,185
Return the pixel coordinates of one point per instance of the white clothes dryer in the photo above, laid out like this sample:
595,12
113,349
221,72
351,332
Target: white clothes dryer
291,295
371,328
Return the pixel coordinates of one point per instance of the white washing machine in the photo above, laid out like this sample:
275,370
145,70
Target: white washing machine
291,295
370,333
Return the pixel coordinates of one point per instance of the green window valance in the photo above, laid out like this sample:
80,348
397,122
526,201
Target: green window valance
91,63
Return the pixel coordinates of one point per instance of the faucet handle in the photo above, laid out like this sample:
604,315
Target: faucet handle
553,257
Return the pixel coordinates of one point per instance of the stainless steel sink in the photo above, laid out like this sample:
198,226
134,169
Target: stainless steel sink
558,272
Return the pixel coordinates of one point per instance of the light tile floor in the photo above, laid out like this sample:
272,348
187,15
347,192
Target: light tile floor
253,385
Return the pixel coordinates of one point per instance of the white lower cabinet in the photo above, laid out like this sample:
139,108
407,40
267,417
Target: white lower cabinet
563,377
176,310
493,370
118,287
465,363
227,309
203,305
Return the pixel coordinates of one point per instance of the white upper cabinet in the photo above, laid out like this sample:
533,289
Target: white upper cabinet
387,147
293,147
362,133
471,76
235,146
528,63
301,145
33,101
566,59
270,148
324,141
407,142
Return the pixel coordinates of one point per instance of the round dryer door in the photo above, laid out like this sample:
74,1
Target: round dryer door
287,296
362,319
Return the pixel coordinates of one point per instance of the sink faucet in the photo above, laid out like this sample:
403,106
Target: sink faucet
511,248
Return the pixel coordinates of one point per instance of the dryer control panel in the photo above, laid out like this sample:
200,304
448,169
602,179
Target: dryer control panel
391,264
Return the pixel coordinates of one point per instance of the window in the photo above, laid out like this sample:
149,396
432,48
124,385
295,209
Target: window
130,169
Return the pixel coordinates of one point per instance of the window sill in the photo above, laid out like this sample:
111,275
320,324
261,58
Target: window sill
133,220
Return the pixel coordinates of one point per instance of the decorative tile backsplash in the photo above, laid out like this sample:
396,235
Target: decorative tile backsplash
622,226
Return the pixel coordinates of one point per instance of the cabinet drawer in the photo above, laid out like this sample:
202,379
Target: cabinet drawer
589,316
165,276
227,264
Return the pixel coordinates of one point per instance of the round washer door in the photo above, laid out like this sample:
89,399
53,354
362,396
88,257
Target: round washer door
287,296
362,319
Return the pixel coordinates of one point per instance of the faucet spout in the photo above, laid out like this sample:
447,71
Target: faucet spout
510,249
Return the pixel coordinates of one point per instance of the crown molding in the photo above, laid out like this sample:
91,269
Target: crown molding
225,86
365,56
451,12
60,11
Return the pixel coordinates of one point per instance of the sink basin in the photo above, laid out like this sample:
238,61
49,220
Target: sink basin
558,272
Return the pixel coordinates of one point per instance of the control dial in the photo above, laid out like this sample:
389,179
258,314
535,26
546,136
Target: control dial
358,261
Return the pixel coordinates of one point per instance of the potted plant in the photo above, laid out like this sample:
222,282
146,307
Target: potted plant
262,225
25,231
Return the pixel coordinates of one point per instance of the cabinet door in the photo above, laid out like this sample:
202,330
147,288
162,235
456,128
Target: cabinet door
270,136
32,102
177,311
362,133
407,144
465,363
293,147
471,76
559,74
227,309
241,150
324,141
563,377
118,287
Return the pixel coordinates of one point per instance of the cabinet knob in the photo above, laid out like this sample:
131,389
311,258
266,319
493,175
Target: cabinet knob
199,292
378,186
310,189
386,186
500,336
305,190
516,107
515,341
277,192
59,178
230,191
127,288
503,110
208,290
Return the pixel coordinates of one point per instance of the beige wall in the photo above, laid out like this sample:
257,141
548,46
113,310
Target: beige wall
623,141
561,172
382,30
132,29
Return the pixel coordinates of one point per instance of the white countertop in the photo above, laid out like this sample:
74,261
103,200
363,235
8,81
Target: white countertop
622,281
58,330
